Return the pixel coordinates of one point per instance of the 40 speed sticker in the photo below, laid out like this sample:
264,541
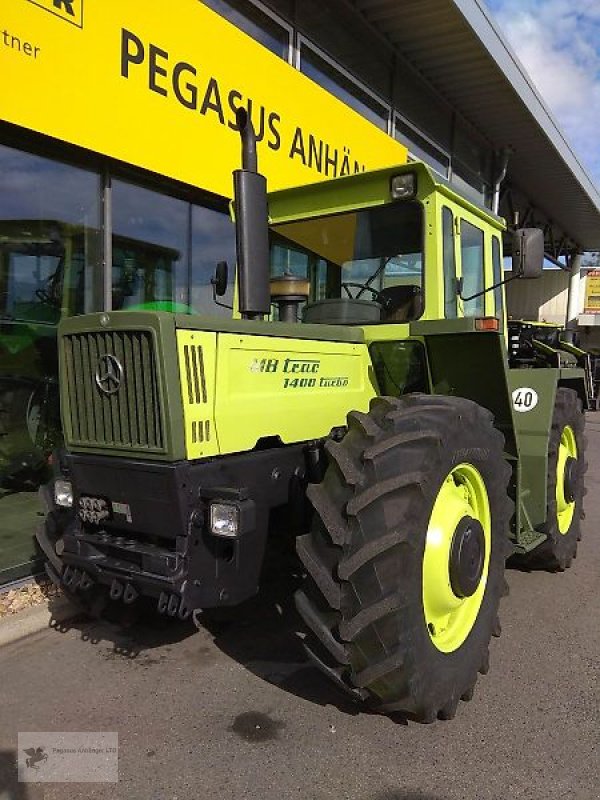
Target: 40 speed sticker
524,399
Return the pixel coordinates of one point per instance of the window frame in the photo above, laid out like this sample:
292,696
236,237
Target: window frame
303,43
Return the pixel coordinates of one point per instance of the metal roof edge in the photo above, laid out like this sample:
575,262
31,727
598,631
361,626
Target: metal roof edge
479,18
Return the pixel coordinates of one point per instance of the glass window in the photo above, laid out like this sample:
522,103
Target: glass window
50,221
449,260
420,147
498,276
150,247
471,249
50,216
165,251
418,102
349,42
343,87
373,255
213,240
256,23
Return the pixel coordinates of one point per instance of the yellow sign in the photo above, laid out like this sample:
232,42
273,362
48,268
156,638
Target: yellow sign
159,89
592,293
69,10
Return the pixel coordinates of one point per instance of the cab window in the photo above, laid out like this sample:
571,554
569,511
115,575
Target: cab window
472,268
497,267
449,261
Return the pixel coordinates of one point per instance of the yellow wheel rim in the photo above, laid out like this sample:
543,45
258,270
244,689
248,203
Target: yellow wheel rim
450,618
565,508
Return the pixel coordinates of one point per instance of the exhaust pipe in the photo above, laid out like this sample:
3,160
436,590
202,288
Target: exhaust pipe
251,227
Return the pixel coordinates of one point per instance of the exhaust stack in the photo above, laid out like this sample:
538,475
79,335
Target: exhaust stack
251,227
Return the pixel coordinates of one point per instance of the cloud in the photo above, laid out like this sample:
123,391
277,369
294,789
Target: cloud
558,43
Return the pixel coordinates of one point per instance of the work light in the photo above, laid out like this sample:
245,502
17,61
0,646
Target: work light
63,494
404,186
224,519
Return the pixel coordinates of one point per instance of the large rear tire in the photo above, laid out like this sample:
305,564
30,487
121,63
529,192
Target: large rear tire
405,560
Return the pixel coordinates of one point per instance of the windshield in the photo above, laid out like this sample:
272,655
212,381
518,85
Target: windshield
373,255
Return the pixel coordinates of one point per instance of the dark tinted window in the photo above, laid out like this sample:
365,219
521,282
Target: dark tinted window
420,147
260,26
343,87
350,42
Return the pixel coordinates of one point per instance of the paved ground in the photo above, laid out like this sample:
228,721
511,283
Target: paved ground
234,711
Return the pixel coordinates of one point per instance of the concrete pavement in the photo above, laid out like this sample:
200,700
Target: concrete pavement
234,711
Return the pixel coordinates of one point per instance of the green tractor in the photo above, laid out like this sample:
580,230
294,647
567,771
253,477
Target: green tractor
366,376
546,344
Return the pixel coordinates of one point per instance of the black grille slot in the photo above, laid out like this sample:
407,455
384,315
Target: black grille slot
130,416
194,373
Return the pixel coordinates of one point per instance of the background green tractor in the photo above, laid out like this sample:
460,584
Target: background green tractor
545,344
365,378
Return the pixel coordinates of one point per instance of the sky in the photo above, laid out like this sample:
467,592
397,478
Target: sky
558,43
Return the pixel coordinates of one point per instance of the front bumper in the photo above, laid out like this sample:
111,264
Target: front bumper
156,541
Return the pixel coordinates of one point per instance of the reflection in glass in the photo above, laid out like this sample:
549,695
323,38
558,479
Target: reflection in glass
165,252
149,248
213,240
49,230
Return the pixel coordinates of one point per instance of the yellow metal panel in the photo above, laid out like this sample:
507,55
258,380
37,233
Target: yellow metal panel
159,87
197,355
592,293
294,389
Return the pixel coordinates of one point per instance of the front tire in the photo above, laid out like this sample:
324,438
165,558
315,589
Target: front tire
405,561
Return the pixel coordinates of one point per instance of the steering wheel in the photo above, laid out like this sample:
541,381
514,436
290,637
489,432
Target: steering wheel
42,295
363,288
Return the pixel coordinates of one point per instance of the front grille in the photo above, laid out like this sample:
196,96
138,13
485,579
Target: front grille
130,416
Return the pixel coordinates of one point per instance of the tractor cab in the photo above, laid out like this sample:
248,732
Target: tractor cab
370,251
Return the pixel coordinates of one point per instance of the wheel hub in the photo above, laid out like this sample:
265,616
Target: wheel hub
467,554
570,478
456,557
567,479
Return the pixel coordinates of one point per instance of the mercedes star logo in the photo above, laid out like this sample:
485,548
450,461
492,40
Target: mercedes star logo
109,374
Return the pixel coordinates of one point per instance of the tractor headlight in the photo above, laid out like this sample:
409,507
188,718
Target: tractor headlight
404,186
63,494
224,519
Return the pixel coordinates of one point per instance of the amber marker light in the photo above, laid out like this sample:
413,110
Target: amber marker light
487,324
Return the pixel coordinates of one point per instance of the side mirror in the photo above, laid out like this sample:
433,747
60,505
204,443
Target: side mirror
528,253
220,280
